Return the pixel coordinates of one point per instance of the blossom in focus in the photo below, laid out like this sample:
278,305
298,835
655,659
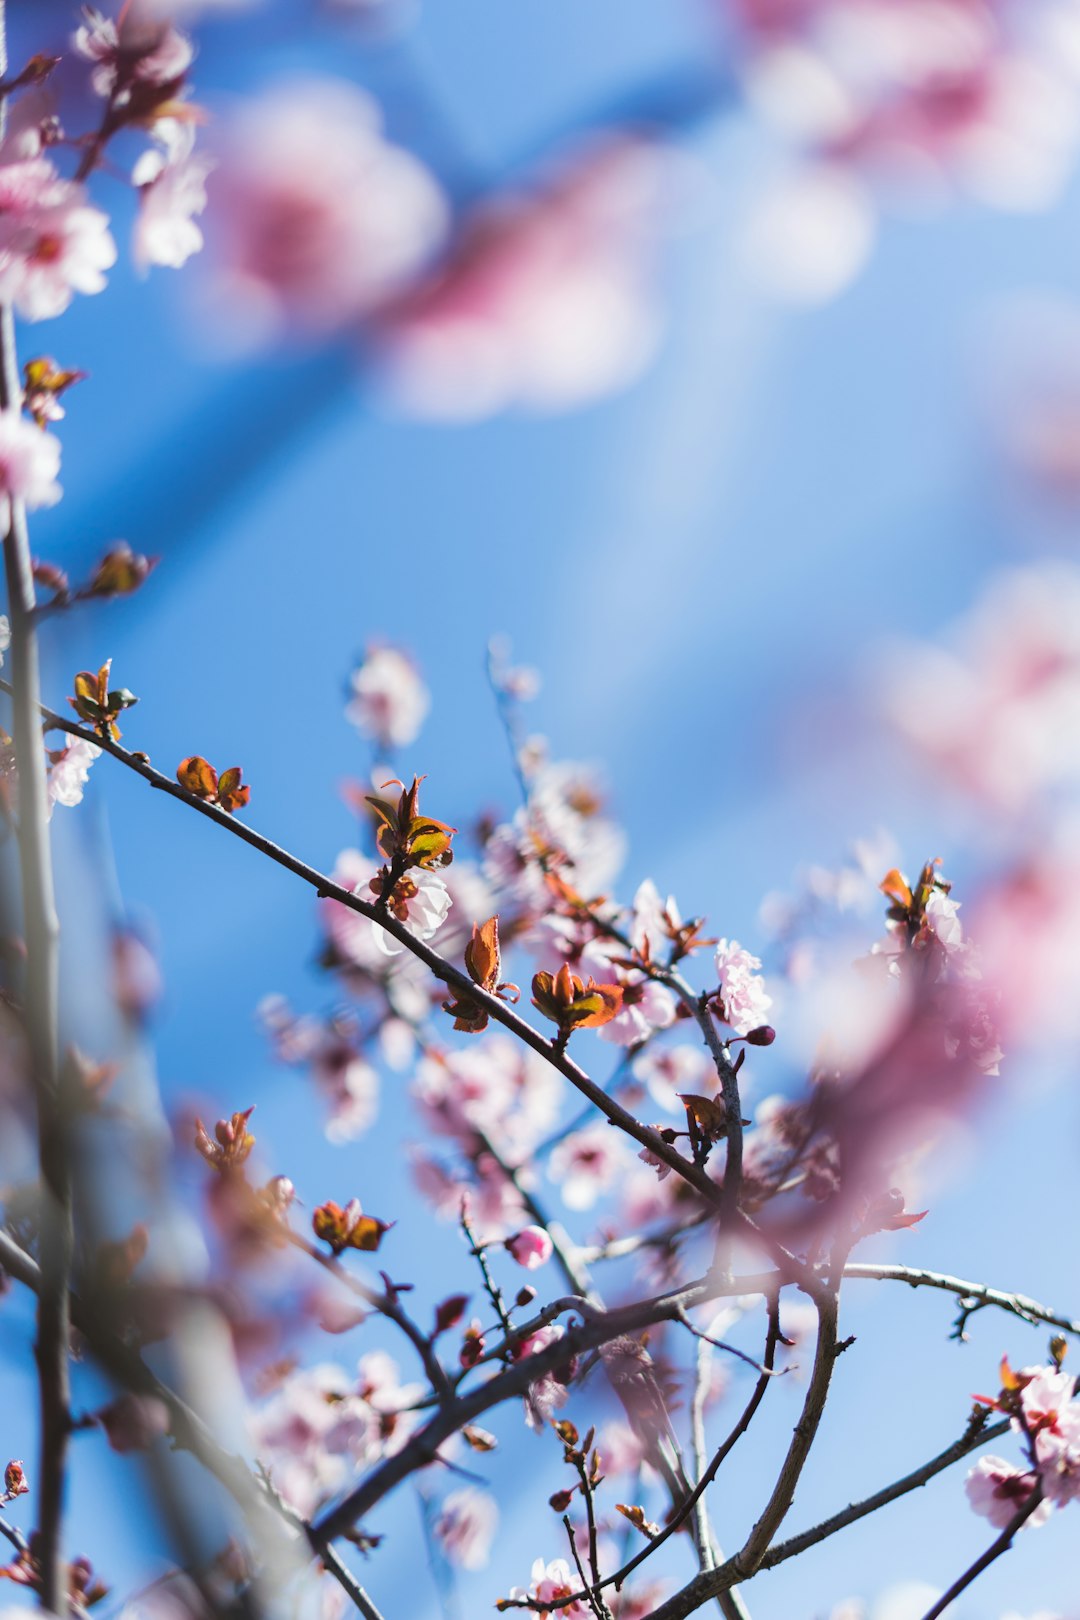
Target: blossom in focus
389,701
550,1582
531,1247
316,216
67,774
421,901
1052,1416
742,990
997,1490
465,1527
171,182
547,300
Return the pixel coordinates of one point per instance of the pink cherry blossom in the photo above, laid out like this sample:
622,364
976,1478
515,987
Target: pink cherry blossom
646,1007
172,189
318,217
897,99
67,776
668,1070
943,922
29,463
998,1490
52,243
621,1450
426,902
531,1247
342,1074
742,990
547,300
1004,691
494,1204
139,49
549,1391
551,1581
465,1527
389,700
585,1165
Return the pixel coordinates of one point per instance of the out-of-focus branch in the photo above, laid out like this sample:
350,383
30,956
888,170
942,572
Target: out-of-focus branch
263,1511
968,1294
41,930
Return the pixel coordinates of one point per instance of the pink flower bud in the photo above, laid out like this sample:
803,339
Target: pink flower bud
531,1247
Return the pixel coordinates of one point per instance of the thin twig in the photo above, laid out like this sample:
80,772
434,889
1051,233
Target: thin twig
385,1304
994,1551
1028,1310
975,1435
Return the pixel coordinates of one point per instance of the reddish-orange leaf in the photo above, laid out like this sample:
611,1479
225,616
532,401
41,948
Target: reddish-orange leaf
198,776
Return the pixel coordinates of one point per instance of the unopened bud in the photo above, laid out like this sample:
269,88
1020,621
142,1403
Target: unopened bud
561,1500
524,1296
764,1035
1058,1347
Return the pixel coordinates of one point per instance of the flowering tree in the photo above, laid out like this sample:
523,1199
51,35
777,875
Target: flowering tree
722,1244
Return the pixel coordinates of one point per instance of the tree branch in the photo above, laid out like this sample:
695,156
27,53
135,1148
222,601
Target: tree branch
456,979
41,929
995,1550
1028,1310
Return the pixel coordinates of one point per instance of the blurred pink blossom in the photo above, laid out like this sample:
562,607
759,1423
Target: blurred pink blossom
465,1527
317,217
389,700
531,1247
998,1490
67,776
29,463
546,300
52,243
585,1165
997,709
172,189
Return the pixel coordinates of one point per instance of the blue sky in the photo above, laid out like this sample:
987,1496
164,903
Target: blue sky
701,567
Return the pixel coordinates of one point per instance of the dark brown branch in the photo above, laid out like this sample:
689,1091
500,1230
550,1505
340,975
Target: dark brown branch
386,1306
975,1435
449,975
994,1551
